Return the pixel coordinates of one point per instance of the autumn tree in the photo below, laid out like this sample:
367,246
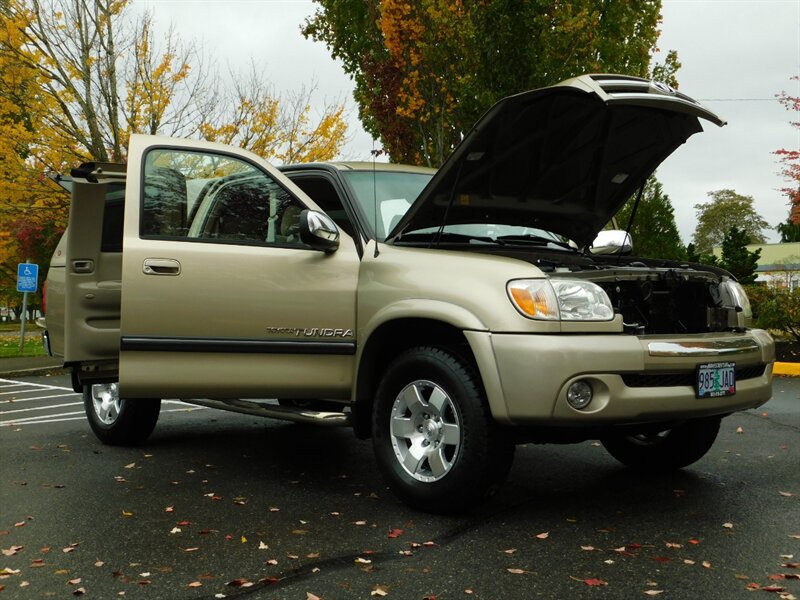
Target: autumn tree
790,159
653,230
425,71
77,77
726,210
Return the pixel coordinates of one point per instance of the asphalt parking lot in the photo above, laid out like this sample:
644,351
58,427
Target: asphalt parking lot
222,505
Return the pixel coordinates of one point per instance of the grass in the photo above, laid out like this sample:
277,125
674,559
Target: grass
9,340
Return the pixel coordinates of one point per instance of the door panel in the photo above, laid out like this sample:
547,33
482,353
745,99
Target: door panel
93,272
220,298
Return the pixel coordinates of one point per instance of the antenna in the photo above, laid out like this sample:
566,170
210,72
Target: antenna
375,154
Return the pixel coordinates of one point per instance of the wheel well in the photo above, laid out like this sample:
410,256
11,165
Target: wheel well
387,342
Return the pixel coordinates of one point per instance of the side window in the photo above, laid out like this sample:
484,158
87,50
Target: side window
209,197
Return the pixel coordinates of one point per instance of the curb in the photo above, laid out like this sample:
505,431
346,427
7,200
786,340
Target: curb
786,369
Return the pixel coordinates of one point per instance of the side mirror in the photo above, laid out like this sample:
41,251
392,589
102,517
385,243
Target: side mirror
318,231
612,241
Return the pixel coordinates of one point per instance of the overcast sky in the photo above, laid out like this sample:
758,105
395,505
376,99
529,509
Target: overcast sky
736,55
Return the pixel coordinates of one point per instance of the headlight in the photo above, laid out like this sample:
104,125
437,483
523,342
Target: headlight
733,296
560,299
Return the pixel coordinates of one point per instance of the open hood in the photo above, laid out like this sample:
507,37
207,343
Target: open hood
563,158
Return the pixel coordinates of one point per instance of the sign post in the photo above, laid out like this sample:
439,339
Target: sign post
27,282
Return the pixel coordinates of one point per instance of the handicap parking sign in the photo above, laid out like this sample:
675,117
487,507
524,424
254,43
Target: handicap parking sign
27,277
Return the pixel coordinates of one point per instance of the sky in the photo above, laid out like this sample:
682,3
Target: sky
735,54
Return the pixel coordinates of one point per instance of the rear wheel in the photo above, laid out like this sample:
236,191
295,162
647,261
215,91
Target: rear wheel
116,421
665,450
433,434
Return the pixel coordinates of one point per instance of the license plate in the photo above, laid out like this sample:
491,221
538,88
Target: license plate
716,379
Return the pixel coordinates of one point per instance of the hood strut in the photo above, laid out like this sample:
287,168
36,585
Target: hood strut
632,217
440,232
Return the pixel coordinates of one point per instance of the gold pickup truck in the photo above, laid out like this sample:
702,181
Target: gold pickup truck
448,314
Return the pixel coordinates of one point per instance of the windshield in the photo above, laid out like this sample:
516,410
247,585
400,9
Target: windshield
391,192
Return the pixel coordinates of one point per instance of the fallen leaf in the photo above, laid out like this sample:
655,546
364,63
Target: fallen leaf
706,564
686,561
70,548
262,546
674,545
175,530
244,540
195,584
379,590
510,551
75,581
543,536
310,596
728,525
587,548
272,561
395,533
169,509
363,561
516,571
126,514
240,583
12,551
99,563
773,588
79,592
786,494
739,430
360,523
593,582
191,549
654,592
130,466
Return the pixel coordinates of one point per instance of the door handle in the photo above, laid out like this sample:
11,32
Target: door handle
161,266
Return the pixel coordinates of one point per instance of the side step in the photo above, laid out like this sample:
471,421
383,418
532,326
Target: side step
273,411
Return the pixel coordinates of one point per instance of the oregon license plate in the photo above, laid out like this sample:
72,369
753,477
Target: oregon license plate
716,379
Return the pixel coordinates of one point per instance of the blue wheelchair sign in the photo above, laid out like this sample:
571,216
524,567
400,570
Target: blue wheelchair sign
27,277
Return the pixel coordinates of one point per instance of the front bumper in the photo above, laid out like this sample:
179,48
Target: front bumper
635,379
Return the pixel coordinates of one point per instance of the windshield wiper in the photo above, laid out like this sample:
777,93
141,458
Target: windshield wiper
531,240
447,237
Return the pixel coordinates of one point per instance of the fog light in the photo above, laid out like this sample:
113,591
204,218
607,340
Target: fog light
579,394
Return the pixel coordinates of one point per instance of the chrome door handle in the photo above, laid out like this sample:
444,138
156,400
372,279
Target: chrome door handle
161,266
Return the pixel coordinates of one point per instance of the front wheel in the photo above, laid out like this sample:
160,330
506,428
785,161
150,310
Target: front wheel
117,421
665,450
433,434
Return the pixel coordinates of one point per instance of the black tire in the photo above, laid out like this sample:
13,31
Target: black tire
666,450
445,454
119,422
311,404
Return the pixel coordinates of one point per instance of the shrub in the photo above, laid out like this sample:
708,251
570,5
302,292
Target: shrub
776,308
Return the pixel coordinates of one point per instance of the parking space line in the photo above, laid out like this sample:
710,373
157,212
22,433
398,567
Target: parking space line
38,385
17,400
44,419
48,407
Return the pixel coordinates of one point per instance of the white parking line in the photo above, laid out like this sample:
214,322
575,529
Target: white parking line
48,407
43,386
44,419
17,400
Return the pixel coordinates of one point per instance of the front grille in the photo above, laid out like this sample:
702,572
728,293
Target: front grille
686,378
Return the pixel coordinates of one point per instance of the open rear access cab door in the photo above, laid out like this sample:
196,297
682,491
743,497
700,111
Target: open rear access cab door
220,297
93,272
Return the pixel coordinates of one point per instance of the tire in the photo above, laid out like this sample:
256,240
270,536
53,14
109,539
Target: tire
665,450
311,404
116,421
433,435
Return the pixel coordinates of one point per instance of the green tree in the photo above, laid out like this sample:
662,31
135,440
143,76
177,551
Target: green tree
425,71
654,231
789,231
726,210
736,258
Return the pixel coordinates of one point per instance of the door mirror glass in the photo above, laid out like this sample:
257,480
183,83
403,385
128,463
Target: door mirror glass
612,241
318,231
